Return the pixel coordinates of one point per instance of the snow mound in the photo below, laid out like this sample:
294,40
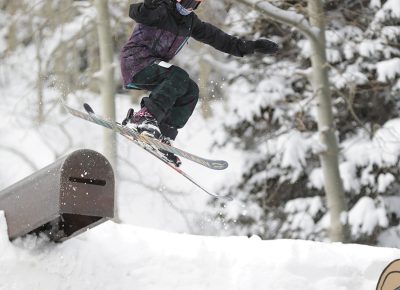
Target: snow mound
115,256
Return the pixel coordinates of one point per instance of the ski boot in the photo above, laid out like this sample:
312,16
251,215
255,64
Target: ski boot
143,121
172,158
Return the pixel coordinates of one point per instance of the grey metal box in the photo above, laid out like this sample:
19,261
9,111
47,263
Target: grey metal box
63,199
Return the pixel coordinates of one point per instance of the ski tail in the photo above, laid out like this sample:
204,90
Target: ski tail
88,108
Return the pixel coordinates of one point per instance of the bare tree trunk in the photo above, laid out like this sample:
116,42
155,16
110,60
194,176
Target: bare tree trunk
205,70
107,82
39,79
329,158
315,32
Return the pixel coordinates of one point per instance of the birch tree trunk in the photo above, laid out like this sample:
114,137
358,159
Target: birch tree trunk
329,158
39,79
107,82
315,32
205,70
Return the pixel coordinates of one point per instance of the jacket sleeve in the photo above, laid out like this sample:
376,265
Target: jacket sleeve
145,15
211,35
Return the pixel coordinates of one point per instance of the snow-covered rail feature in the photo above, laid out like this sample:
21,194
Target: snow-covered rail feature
67,197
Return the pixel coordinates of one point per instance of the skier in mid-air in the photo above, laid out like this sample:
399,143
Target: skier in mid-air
163,27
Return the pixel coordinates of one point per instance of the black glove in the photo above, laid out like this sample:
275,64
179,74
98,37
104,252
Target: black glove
265,46
152,4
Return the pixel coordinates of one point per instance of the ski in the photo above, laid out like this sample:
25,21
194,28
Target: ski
150,144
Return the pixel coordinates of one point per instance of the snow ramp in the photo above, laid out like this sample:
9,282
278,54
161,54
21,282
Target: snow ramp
118,256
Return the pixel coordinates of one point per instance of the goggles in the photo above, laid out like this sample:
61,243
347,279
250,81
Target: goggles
190,4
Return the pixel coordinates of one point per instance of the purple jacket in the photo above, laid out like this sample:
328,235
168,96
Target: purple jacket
161,32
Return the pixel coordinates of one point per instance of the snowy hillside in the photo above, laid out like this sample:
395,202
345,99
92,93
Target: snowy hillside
114,256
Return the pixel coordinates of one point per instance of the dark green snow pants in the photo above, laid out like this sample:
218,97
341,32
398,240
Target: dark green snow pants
173,96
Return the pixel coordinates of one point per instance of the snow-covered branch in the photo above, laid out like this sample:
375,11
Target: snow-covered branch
286,17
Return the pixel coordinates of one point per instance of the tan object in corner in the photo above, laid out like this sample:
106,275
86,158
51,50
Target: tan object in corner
390,277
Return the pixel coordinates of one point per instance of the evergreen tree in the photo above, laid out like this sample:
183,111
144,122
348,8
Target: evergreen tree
272,120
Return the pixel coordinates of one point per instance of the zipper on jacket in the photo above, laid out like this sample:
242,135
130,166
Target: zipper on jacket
182,45
184,42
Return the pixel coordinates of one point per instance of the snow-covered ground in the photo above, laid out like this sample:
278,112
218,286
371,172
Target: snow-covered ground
114,256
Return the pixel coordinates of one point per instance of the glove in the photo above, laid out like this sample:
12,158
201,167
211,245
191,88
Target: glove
265,46
152,4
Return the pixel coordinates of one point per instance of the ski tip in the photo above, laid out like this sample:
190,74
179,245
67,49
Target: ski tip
227,198
88,108
219,165
225,164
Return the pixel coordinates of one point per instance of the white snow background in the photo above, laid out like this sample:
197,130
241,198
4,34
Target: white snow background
133,256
